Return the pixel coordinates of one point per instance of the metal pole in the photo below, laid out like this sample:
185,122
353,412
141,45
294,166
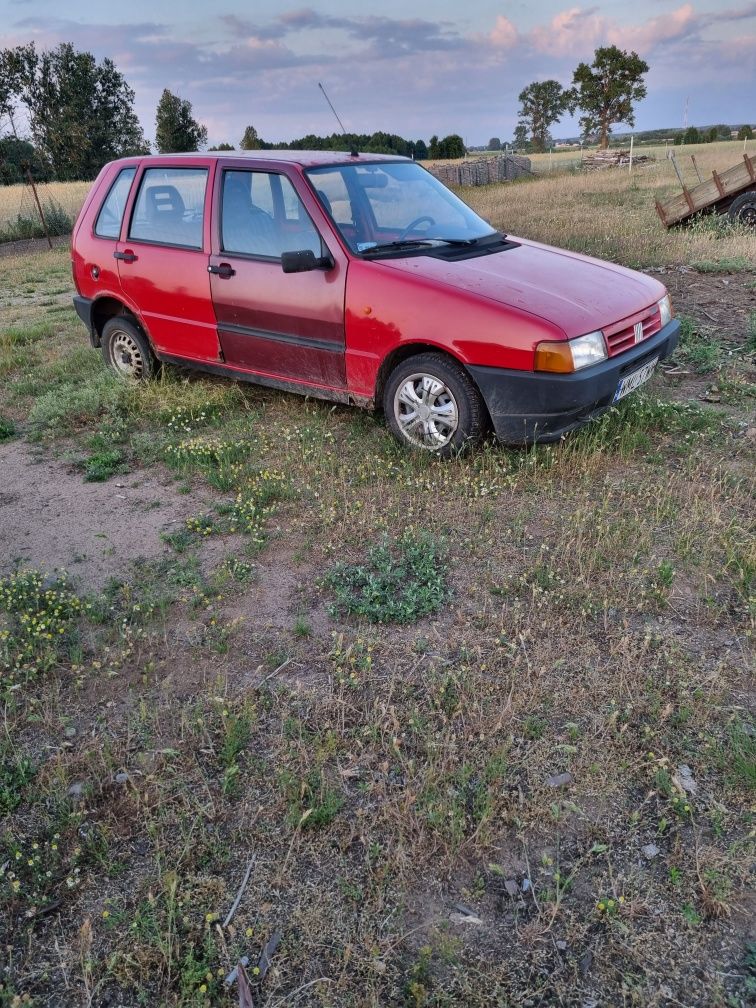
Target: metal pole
39,205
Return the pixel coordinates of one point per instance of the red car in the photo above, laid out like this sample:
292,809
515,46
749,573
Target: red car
361,279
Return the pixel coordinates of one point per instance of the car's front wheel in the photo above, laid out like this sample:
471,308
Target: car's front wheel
432,404
126,350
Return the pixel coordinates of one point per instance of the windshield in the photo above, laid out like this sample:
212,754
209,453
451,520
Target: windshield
378,205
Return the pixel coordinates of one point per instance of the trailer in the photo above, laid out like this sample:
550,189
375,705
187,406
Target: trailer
732,192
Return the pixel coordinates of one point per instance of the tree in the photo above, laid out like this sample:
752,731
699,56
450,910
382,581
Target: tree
452,146
250,140
433,148
542,103
176,129
494,144
15,155
745,133
691,136
521,137
606,90
81,113
421,151
222,147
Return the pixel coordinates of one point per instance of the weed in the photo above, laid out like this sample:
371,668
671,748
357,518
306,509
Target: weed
312,802
401,581
41,616
102,465
16,772
727,264
697,348
7,429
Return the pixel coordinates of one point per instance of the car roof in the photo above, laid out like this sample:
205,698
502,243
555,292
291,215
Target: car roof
304,158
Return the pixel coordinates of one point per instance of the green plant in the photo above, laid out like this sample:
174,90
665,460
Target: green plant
7,429
16,772
41,616
101,465
313,803
697,347
401,581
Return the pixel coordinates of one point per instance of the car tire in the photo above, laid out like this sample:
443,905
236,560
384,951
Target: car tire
743,208
431,404
127,350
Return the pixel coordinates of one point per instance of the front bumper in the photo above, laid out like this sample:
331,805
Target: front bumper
532,406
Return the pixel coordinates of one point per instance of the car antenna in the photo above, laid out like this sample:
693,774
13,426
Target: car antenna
353,152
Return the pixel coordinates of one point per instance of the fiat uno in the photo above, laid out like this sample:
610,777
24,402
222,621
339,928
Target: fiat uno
360,279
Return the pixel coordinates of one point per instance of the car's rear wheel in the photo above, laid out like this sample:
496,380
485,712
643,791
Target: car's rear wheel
127,351
432,404
743,208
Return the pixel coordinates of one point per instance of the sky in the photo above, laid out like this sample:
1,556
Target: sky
412,68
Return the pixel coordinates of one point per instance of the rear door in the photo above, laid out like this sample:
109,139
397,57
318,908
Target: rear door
163,259
287,326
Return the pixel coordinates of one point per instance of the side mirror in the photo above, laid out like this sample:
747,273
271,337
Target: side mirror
304,261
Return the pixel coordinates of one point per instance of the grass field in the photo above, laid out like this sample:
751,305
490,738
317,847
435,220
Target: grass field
477,733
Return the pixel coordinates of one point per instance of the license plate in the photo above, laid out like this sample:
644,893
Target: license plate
635,379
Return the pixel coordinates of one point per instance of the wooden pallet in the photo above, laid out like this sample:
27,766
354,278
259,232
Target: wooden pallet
715,193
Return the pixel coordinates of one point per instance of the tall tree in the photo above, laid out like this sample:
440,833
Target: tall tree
421,150
433,147
494,144
745,133
81,113
543,103
250,140
606,90
521,136
176,129
452,146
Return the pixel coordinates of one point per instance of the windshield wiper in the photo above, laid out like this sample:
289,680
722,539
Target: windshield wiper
415,242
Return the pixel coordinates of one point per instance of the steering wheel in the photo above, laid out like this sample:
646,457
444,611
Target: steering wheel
413,224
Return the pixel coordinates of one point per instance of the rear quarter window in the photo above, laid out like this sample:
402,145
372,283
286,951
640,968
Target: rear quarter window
170,207
110,217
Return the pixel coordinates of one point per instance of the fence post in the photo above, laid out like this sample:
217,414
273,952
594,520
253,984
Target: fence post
39,205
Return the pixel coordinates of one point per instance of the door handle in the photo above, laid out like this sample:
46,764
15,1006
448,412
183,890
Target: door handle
224,271
128,257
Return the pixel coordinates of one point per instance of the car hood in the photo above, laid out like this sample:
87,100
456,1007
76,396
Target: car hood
574,292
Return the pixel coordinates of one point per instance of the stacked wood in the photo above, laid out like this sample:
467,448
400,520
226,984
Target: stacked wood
482,171
613,159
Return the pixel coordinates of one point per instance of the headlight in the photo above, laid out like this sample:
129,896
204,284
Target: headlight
665,310
572,355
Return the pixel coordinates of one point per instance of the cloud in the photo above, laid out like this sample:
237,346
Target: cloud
402,74
573,31
503,35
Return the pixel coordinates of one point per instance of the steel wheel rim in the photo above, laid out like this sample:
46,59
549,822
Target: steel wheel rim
426,411
747,214
126,355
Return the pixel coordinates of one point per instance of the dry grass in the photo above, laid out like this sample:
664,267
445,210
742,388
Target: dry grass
389,783
611,213
18,199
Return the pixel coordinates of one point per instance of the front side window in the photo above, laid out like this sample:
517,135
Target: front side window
262,215
373,204
108,223
170,207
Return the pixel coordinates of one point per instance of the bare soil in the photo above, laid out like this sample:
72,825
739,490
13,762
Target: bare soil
51,519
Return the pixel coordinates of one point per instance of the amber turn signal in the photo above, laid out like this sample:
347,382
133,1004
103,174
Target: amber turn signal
554,357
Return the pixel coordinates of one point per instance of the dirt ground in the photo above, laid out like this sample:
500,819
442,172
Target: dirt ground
51,519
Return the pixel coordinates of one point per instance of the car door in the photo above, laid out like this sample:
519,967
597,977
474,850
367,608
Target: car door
163,259
288,326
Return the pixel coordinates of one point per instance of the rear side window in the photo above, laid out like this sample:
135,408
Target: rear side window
108,223
262,215
170,207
